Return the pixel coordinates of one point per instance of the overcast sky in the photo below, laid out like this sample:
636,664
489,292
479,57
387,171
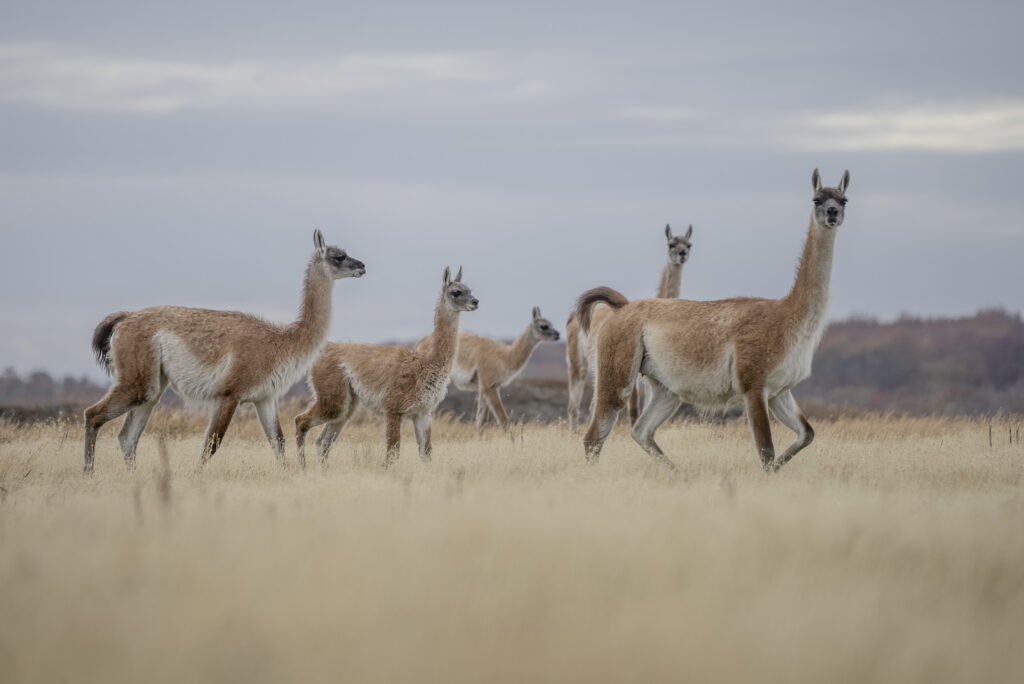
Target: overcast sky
182,153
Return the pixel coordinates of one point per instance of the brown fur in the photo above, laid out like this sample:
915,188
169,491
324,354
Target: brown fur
396,382
218,358
715,353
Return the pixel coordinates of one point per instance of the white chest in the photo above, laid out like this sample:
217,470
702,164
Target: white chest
462,376
795,365
433,390
282,377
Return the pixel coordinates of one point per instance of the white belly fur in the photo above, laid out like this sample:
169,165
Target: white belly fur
710,386
200,383
190,378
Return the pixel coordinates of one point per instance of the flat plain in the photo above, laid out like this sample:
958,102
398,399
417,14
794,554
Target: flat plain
892,549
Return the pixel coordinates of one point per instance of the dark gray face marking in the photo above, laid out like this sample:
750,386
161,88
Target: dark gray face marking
462,297
545,329
342,265
829,207
829,193
679,249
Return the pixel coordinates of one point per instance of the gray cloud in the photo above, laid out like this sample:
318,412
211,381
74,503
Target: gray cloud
182,154
51,77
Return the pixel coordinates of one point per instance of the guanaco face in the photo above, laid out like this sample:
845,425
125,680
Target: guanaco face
339,264
829,203
456,295
678,245
542,327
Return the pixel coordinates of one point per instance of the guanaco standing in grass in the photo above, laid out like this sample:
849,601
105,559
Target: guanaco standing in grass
580,346
396,382
215,358
484,365
719,353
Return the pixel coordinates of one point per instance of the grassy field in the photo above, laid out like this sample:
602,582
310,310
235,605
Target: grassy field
890,550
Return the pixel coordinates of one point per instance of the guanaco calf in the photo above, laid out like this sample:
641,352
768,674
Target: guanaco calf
484,365
396,382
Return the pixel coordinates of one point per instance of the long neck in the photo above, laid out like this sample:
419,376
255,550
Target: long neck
809,296
671,276
445,335
310,330
519,352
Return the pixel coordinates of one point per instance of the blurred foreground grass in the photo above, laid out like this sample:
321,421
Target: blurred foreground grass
891,549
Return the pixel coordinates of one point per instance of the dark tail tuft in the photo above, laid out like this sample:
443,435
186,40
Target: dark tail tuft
101,338
605,295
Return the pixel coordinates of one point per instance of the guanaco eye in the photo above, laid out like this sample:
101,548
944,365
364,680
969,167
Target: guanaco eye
543,327
842,202
456,294
817,201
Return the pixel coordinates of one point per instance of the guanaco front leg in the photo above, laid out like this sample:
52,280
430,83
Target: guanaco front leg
757,416
785,408
392,438
220,419
497,408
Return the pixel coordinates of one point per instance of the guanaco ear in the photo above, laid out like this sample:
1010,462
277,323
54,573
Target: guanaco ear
844,182
668,232
318,242
689,233
536,312
458,276
816,181
447,276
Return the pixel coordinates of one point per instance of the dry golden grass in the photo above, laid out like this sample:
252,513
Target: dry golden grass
890,550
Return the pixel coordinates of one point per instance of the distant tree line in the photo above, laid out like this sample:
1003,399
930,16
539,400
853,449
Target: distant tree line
40,389
943,366
950,366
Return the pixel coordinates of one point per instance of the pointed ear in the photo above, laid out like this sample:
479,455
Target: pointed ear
447,276
536,312
458,276
816,180
668,232
844,182
318,242
689,232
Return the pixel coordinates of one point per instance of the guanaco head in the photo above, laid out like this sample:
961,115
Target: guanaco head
456,294
542,328
337,262
829,203
678,245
